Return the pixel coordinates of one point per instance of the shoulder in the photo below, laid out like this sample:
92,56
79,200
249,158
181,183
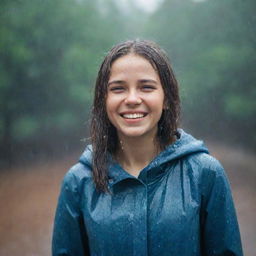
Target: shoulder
212,178
205,163
211,168
207,171
77,176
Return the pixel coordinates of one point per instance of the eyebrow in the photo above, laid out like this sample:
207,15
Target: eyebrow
116,82
141,81
148,81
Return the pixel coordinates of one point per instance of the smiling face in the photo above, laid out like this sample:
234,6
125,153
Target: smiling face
135,97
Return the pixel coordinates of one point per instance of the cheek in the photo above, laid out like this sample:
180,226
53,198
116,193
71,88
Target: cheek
113,102
109,102
158,103
110,105
111,109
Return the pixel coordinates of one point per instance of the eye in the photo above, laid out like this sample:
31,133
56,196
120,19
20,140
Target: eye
148,88
116,89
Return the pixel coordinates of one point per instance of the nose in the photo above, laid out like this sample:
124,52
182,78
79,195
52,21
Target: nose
133,98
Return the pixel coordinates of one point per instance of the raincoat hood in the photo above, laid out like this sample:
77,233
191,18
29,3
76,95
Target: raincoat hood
180,204
184,145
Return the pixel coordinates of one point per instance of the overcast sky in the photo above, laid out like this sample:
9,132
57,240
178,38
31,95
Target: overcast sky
147,5
151,5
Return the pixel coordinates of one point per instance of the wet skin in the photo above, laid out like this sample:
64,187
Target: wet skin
135,97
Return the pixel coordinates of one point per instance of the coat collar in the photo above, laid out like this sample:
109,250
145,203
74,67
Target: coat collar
183,146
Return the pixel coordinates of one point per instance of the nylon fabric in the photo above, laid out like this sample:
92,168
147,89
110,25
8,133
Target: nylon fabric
180,204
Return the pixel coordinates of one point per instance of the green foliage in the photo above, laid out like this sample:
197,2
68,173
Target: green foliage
49,55
212,47
50,52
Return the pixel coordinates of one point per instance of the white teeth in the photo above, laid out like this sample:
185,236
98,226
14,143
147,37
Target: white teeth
133,116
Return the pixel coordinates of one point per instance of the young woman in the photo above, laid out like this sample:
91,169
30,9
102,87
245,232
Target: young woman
143,187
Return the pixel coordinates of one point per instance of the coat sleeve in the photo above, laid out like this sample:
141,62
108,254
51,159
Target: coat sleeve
220,234
69,233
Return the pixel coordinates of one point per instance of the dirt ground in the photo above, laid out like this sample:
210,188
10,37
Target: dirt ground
28,197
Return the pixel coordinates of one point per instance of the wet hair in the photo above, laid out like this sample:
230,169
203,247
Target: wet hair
103,134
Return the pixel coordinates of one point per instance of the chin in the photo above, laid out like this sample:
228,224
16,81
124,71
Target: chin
135,134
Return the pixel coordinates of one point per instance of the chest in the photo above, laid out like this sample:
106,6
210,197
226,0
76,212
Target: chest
140,218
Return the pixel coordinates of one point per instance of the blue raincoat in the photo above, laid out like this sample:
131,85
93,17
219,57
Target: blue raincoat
180,205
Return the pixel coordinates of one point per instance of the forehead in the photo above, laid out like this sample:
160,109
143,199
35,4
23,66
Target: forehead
132,64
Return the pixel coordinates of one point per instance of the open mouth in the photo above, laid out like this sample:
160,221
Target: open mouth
134,115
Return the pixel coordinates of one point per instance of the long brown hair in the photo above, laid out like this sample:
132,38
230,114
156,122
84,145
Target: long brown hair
103,133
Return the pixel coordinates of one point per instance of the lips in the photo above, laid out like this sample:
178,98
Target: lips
133,115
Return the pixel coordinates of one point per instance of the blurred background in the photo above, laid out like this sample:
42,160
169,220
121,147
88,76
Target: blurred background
50,51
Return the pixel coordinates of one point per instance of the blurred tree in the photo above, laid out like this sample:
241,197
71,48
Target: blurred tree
212,45
49,53
32,48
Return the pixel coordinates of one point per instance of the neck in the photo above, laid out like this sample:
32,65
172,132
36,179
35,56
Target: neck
136,153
